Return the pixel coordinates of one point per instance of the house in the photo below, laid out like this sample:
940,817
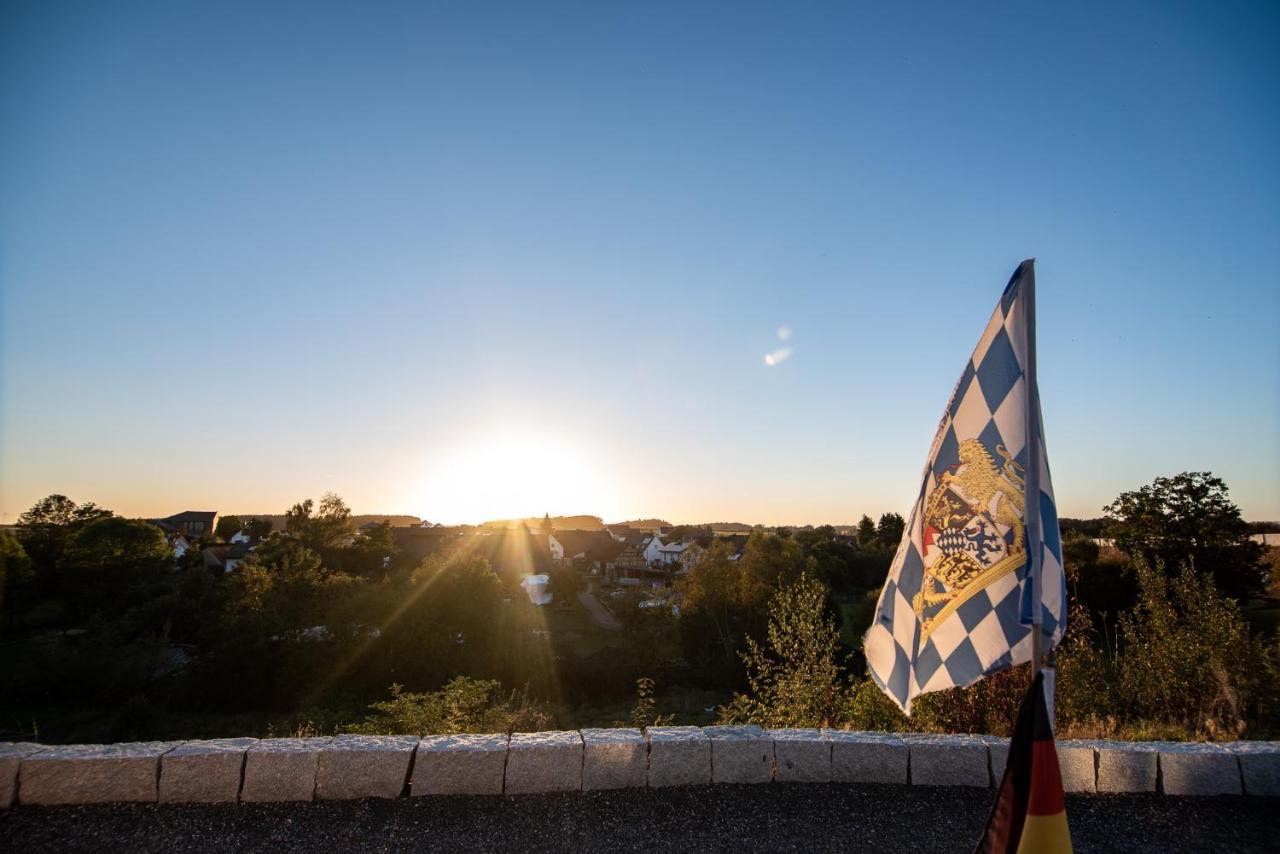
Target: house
193,524
671,554
419,542
653,549
623,533
239,537
628,563
225,556
178,542
593,548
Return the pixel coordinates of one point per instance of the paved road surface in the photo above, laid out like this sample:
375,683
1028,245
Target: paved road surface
599,614
702,819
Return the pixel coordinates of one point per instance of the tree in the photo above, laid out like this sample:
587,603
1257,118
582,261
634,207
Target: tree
372,552
1189,517
444,624
565,582
228,527
866,533
44,531
15,572
298,517
109,559
326,529
889,531
795,677
711,598
58,510
257,528
727,600
283,554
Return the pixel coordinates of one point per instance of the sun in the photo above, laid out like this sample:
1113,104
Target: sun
509,475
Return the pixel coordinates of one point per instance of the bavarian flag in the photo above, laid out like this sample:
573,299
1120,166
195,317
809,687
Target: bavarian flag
1029,815
979,568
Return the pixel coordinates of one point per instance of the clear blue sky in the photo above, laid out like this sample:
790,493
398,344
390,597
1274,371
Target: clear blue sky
252,252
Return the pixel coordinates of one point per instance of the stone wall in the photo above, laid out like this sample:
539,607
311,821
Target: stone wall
303,769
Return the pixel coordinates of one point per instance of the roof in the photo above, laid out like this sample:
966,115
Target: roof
596,545
418,543
228,551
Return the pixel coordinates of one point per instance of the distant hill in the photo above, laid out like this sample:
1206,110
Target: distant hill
558,523
644,523
739,527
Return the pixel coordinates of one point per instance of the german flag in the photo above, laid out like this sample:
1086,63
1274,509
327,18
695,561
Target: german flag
1029,816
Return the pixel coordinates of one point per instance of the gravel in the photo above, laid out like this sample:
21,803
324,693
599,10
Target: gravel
797,817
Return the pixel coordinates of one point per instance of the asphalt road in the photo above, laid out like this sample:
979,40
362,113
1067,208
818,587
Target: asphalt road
701,819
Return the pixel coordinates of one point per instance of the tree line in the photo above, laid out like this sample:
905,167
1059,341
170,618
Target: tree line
104,634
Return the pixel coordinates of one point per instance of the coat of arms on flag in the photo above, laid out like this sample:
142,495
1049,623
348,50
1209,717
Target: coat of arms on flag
960,601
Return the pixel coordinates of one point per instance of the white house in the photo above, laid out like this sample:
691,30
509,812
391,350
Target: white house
671,553
225,556
653,549
239,537
179,543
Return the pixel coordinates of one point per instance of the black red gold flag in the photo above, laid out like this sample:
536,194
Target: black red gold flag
1030,814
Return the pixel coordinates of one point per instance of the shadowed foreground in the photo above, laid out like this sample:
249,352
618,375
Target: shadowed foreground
712,818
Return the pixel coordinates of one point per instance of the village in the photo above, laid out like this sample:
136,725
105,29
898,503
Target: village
643,557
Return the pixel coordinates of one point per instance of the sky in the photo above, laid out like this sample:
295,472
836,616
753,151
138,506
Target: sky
704,262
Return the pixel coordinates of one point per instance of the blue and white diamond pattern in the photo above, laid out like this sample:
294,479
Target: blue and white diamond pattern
987,632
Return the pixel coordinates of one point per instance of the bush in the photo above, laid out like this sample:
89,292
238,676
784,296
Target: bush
795,680
866,707
988,706
1187,657
462,705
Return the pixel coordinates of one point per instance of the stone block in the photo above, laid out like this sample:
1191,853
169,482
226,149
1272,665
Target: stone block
1198,769
1126,766
364,766
459,765
740,754
678,756
867,757
11,756
544,762
1259,766
997,756
1078,762
947,760
614,759
204,771
282,769
92,773
800,755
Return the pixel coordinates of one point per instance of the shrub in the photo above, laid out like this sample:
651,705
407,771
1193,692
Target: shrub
644,712
1186,655
462,705
866,707
794,680
988,706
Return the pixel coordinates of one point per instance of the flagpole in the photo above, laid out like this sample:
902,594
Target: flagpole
1032,479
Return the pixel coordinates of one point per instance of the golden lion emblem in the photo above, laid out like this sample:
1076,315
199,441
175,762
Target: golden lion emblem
966,517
